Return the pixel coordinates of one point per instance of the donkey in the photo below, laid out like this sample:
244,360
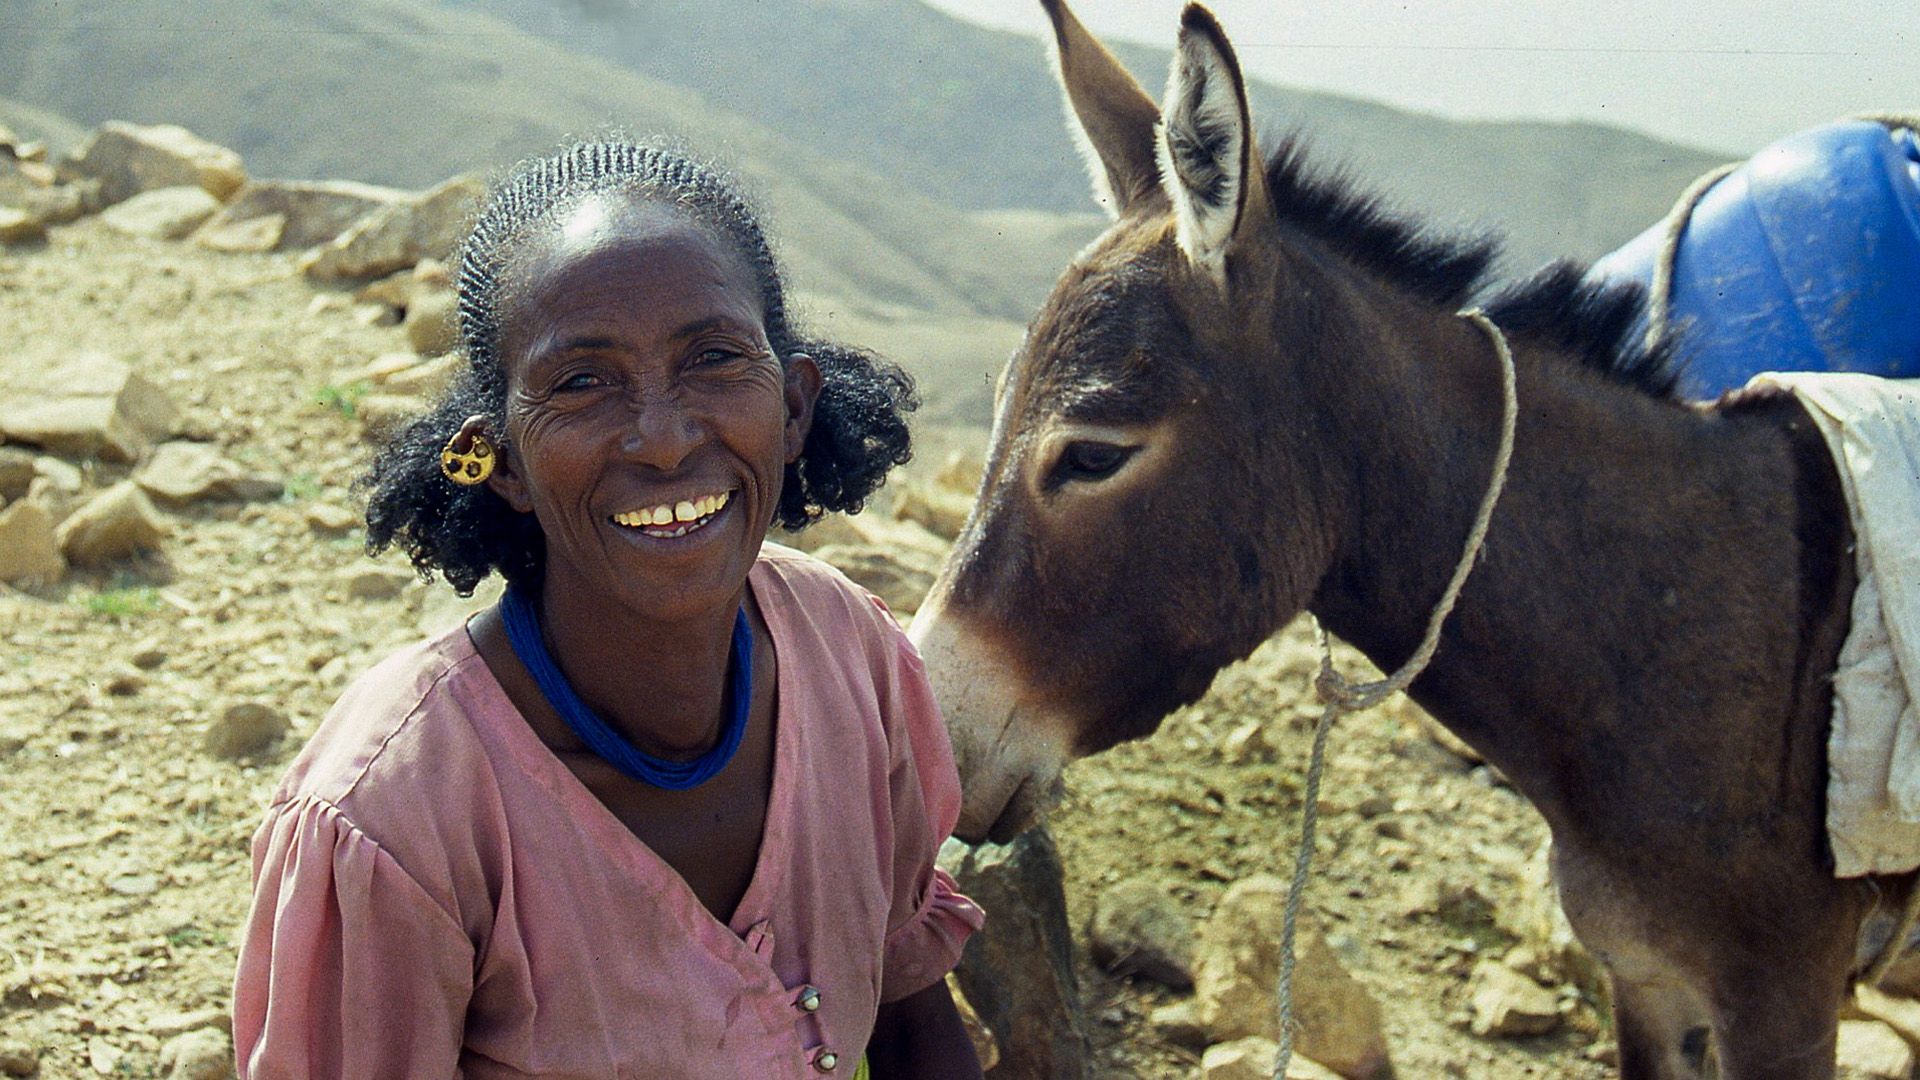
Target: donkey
1251,395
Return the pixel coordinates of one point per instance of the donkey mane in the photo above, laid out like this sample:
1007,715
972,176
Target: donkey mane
1599,325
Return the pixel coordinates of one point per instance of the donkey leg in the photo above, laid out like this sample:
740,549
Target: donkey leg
1662,1029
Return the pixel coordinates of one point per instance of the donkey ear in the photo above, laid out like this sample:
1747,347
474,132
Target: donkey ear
1111,117
1207,160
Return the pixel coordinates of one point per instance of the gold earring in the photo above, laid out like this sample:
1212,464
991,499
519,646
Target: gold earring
471,467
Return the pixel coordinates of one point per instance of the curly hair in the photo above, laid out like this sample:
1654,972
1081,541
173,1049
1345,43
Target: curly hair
859,431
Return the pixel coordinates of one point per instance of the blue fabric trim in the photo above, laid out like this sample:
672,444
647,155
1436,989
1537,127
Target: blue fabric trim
523,630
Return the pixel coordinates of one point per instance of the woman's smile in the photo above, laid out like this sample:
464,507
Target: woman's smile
674,518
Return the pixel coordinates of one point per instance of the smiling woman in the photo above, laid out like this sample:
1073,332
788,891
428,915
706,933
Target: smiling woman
671,808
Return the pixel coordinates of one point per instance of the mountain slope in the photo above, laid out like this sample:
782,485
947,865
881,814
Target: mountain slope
971,116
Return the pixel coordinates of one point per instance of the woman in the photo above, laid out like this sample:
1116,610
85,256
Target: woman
671,808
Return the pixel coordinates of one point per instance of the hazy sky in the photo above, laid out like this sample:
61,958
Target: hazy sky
1725,74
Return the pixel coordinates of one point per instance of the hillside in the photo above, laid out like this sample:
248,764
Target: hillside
971,116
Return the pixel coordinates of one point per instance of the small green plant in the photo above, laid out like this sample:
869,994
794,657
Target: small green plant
300,487
124,603
343,398
193,937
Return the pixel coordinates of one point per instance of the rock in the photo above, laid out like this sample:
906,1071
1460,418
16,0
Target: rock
1248,743
89,406
165,214
1506,1004
431,326
310,212
382,415
1869,1048
204,1054
1252,1058
184,472
1137,929
16,472
899,576
125,681
1178,1023
59,475
1237,966
167,1025
18,226
148,657
426,379
328,518
1537,920
28,551
400,234
246,729
117,522
942,512
1899,1013
960,472
253,236
18,1060
129,159
376,582
1018,971
104,1056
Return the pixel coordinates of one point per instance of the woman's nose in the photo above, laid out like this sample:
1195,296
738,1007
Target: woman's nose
662,434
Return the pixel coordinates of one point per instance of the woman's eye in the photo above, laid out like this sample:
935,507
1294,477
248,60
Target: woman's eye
579,380
1092,460
716,355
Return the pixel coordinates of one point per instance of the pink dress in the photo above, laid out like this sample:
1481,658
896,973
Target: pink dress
436,894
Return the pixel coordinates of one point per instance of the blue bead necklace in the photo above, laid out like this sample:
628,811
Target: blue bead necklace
523,631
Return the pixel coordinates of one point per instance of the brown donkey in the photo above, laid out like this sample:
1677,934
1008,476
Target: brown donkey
1252,395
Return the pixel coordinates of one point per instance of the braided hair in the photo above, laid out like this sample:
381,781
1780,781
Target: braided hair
859,430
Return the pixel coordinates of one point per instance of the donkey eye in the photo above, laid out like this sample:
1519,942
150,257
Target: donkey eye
1091,460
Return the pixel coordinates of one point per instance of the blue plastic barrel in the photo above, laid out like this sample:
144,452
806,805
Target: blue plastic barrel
1806,258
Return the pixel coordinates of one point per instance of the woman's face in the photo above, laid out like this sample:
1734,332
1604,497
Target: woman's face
649,422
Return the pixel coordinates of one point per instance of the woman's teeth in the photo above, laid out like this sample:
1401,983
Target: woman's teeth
678,519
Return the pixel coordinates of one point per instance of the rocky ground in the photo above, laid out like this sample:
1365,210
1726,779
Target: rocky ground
186,625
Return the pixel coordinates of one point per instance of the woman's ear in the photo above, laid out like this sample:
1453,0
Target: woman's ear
802,392
505,481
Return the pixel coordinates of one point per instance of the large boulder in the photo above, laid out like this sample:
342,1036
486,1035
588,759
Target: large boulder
900,576
119,521
89,406
184,472
128,159
430,225
1137,929
163,214
1238,967
310,212
1018,971
28,551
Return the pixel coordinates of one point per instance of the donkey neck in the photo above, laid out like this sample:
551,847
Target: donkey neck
1593,547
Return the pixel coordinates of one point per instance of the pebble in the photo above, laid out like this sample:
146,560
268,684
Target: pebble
1507,1004
328,518
134,884
203,1054
245,730
375,583
18,1060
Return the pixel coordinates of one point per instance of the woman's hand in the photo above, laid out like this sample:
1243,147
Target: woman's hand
920,1037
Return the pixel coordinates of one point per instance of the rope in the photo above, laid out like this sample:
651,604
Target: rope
1660,293
1340,696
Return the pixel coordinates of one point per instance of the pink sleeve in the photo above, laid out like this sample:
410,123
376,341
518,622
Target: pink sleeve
348,968
931,921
